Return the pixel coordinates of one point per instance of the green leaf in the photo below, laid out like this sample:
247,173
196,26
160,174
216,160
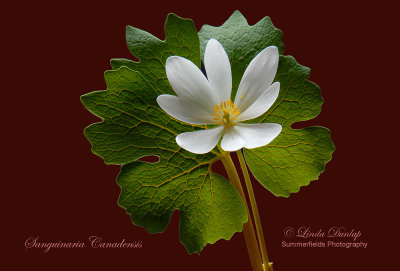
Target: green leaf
210,207
134,126
292,160
295,157
181,39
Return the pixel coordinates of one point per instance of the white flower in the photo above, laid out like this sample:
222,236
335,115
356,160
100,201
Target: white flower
203,101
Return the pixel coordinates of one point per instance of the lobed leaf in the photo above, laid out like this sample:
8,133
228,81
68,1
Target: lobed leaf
181,39
295,157
134,126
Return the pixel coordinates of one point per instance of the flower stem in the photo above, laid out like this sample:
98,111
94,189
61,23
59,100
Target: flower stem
248,228
267,265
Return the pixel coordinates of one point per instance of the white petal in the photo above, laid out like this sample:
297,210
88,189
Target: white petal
218,69
258,135
232,140
249,136
262,104
190,83
201,141
184,110
258,76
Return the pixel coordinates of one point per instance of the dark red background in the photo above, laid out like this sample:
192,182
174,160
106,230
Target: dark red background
55,188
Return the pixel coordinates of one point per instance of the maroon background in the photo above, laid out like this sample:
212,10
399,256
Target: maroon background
57,189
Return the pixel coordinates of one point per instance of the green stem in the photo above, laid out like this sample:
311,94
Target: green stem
267,265
248,228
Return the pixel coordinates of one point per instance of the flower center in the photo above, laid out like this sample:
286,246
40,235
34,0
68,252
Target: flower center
226,114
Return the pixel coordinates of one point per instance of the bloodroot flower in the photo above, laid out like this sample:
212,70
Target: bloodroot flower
204,100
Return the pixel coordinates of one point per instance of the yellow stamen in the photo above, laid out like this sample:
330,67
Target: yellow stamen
226,113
